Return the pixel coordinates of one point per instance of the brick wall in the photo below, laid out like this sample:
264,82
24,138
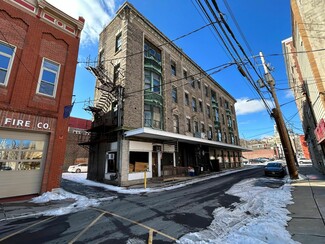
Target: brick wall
35,39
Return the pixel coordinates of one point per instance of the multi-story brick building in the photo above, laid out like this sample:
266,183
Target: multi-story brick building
38,56
156,109
306,71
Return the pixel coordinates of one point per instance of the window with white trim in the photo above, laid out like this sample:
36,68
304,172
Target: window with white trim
49,78
6,58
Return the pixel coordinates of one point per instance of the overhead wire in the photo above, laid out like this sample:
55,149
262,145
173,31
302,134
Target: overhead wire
141,52
247,74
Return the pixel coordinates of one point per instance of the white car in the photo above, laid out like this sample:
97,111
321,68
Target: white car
304,161
79,168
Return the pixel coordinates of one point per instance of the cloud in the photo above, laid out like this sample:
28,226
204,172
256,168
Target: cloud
249,106
97,14
289,94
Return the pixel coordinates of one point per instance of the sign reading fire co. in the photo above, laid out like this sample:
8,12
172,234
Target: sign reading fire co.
25,121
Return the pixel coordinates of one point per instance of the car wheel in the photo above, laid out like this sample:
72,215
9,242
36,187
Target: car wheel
78,171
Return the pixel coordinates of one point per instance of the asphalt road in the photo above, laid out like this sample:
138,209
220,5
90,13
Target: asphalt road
163,216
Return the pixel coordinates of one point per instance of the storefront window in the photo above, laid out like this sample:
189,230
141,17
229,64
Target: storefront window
138,162
20,154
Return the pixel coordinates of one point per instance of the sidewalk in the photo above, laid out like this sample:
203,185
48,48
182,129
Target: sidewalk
308,211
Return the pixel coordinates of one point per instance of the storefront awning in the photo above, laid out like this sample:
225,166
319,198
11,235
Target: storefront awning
149,133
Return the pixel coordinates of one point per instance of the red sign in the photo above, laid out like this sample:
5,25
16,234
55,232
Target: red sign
320,131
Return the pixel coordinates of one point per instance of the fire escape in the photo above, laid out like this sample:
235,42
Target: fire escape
106,110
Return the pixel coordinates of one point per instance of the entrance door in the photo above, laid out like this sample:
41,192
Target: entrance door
154,164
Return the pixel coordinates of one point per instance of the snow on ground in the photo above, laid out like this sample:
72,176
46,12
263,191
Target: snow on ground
260,217
80,202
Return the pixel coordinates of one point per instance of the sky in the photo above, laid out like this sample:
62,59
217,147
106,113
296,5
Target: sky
263,23
248,221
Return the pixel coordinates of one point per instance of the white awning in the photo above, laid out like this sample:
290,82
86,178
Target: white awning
168,136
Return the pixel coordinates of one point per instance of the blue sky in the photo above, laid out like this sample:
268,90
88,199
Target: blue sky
264,24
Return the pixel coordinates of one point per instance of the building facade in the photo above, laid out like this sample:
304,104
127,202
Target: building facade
38,56
306,72
156,109
77,132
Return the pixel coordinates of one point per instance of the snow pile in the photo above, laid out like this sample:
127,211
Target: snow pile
79,202
261,217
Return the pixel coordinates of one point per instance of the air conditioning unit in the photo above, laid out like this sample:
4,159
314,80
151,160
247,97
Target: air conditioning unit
111,156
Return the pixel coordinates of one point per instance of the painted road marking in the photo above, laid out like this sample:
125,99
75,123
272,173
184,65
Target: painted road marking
87,228
28,227
137,223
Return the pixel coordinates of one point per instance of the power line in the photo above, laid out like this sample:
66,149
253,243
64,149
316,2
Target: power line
141,52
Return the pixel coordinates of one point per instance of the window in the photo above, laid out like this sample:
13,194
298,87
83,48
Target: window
101,58
152,52
217,115
225,136
188,124
210,133
232,139
185,74
152,81
194,109
176,123
187,101
6,58
152,116
219,135
198,84
202,127
116,73
139,161
196,126
174,94
223,119
173,67
206,90
200,106
226,104
49,78
208,111
118,42
193,82
21,154
229,121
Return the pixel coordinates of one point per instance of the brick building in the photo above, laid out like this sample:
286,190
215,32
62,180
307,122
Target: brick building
156,109
306,72
38,56
77,132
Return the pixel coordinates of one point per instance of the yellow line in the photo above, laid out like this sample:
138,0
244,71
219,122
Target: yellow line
15,233
87,228
137,223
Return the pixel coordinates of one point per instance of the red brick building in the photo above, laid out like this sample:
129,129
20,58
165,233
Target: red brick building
38,56
77,132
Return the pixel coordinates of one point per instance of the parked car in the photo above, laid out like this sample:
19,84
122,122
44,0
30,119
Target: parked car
258,160
304,161
275,169
79,168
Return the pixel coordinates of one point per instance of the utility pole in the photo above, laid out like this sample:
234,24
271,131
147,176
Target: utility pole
283,132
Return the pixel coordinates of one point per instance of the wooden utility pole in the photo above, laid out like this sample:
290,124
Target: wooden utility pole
282,129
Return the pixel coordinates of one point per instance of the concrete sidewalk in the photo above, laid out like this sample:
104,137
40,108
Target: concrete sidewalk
308,211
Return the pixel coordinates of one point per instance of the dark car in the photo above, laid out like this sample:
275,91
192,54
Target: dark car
275,169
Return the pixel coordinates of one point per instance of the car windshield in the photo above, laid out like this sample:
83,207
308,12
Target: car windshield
274,165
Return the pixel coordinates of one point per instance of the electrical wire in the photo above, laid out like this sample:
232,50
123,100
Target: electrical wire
141,52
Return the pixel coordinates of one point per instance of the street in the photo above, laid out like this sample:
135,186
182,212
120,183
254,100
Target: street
130,218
